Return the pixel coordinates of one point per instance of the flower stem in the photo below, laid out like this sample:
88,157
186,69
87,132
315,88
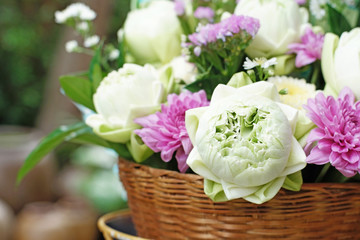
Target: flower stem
315,73
323,172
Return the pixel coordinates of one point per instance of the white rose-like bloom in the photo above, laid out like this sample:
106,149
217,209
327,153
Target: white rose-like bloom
341,61
183,70
153,34
132,91
281,23
244,145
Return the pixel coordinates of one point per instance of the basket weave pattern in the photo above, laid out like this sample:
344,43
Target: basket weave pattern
170,205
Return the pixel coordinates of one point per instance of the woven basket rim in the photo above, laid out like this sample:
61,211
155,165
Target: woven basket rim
194,177
109,232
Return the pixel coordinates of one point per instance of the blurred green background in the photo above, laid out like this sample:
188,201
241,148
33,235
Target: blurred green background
28,39
31,44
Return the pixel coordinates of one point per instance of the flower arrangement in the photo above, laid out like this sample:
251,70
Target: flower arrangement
252,95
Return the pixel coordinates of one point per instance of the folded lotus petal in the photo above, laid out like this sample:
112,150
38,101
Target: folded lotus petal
120,135
139,151
293,181
266,192
296,159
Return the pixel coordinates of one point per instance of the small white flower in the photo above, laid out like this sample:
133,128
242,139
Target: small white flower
199,27
114,54
79,10
269,63
83,26
317,8
60,17
263,62
91,41
249,64
70,46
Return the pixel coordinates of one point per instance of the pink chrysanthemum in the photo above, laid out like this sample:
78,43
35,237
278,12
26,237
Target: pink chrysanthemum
309,50
337,136
165,131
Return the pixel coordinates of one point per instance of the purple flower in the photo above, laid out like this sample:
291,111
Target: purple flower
204,12
300,2
165,131
337,136
231,26
179,7
309,50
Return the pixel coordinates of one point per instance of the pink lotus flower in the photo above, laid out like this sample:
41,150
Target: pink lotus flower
337,136
309,50
165,131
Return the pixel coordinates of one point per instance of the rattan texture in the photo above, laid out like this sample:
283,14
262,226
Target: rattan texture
170,205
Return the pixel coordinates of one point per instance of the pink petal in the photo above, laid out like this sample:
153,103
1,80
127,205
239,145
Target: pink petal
303,59
317,157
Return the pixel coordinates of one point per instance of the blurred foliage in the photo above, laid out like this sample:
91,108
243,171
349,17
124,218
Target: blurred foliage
28,37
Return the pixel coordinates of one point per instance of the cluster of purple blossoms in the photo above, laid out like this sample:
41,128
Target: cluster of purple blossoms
229,27
204,13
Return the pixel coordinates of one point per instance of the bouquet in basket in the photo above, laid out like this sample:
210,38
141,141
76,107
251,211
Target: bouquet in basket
252,95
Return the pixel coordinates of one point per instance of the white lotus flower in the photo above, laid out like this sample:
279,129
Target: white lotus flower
132,91
244,145
281,23
341,61
153,34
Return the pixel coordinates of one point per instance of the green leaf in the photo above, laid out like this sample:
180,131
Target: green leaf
87,136
46,145
208,82
96,76
78,90
120,149
95,63
358,10
337,22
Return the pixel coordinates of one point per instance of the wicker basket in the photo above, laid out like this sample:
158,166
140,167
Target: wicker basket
170,205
